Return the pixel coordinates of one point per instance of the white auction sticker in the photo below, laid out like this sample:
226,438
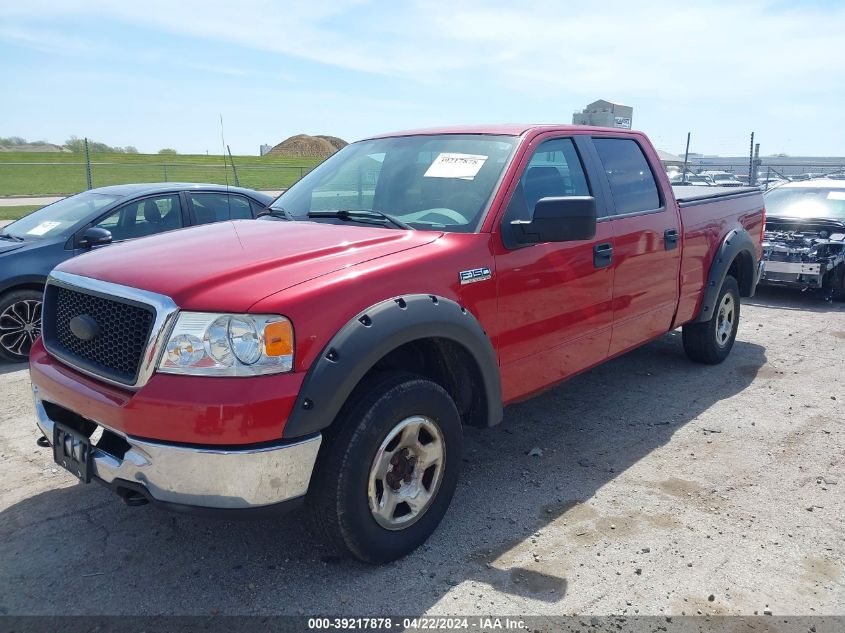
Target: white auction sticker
449,165
44,227
836,195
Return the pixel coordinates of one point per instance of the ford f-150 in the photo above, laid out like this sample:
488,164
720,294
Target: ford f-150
411,284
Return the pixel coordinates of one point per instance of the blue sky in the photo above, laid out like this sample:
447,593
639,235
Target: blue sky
158,74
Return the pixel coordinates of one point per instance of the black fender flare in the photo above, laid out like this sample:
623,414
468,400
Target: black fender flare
736,242
370,336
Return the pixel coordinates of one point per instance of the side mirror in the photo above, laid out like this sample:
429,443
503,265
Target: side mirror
95,236
558,220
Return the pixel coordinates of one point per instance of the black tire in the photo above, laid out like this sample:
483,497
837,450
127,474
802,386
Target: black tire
339,492
20,324
708,342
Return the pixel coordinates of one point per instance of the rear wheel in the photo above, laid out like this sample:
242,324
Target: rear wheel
710,342
388,468
20,324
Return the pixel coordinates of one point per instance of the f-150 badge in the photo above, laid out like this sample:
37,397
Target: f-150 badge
476,274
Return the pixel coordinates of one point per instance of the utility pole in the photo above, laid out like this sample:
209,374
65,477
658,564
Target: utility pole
752,173
686,159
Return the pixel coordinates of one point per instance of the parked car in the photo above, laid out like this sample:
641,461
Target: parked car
805,176
804,245
32,246
768,179
410,285
696,180
723,179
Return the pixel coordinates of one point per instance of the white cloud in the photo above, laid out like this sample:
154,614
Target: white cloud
702,50
726,65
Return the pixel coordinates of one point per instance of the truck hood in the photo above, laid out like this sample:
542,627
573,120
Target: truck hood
229,266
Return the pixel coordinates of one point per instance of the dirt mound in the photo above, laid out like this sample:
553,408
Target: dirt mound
337,143
306,146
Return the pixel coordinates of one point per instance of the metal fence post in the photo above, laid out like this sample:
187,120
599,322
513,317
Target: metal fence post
234,171
88,164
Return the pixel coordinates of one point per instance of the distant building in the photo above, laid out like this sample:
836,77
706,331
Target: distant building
669,160
605,114
264,149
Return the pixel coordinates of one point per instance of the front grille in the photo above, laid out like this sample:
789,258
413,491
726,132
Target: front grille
123,327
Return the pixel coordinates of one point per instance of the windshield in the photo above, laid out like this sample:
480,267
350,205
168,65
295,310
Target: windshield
59,217
442,182
697,179
806,202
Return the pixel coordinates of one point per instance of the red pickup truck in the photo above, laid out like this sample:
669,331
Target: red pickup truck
411,284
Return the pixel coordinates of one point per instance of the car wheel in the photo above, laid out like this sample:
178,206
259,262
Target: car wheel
20,324
388,468
710,342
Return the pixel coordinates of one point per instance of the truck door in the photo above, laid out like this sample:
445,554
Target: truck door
555,310
646,252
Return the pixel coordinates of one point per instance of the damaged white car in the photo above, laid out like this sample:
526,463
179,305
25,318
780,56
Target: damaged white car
804,241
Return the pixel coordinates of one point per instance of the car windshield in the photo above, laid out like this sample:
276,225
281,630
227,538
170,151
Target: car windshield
439,182
60,217
806,202
697,178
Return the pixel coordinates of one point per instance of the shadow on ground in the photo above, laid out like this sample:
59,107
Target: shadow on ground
8,368
793,299
79,550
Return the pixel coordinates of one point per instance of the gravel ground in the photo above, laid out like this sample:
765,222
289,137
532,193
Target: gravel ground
660,487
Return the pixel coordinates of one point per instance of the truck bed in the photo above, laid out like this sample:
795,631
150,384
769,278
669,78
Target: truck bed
707,212
687,195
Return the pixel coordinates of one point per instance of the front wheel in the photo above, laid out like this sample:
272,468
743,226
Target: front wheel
388,468
710,342
20,324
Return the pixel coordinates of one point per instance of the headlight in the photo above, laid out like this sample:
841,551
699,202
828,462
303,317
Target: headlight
210,344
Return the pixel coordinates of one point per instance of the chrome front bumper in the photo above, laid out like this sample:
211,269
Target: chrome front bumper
205,477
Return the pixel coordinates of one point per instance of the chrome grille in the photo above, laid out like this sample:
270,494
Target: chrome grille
123,327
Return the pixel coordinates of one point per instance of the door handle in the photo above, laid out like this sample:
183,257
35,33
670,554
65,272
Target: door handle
602,255
670,239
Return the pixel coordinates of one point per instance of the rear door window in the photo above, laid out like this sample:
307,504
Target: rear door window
212,207
631,180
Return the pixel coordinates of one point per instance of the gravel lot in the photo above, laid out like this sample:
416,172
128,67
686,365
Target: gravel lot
663,487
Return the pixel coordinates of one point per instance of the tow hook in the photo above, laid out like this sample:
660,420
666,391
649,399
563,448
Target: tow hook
43,442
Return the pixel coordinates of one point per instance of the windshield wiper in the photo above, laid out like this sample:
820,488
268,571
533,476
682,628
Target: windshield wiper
360,215
9,236
275,212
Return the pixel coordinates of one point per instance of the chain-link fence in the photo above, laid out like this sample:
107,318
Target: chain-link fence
49,178
765,175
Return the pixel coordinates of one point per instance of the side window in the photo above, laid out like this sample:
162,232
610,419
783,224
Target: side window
144,217
257,207
553,171
631,180
239,208
218,207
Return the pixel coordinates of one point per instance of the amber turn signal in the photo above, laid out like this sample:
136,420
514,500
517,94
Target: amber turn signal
278,339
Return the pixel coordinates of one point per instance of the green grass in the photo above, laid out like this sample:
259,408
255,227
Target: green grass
48,173
13,213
